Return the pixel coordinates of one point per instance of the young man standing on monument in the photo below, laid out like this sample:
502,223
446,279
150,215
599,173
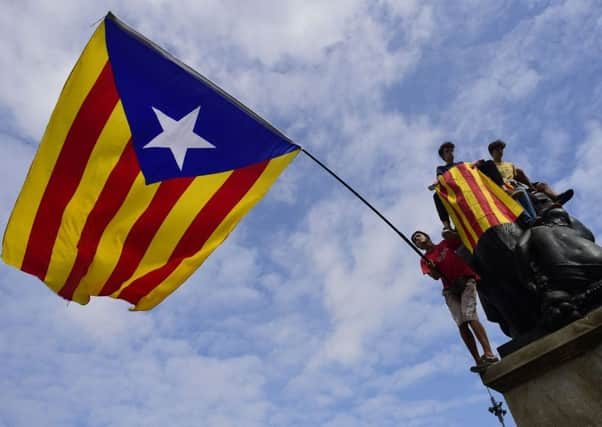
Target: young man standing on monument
446,152
459,291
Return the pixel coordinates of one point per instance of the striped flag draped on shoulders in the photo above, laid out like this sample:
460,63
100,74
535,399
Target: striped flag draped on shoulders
474,202
144,169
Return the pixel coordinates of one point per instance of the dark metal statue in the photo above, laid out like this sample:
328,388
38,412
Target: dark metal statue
537,274
559,261
504,298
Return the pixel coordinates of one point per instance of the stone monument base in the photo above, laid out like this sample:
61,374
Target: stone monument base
556,380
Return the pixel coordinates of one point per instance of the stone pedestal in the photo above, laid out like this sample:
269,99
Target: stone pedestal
556,380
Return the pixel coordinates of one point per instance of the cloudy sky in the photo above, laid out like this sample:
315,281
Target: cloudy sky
313,312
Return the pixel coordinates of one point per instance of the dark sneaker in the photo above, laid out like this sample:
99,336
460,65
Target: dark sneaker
484,363
479,368
489,359
562,198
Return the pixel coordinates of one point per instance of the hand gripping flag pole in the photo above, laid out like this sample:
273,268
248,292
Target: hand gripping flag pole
145,168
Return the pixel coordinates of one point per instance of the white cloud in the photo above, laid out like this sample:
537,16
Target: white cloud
585,178
264,30
533,58
314,312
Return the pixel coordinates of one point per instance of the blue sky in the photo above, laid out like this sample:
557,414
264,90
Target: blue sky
313,313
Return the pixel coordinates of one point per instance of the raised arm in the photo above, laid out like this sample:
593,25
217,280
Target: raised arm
522,177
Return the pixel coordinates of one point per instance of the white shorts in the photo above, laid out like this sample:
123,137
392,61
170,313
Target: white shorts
463,308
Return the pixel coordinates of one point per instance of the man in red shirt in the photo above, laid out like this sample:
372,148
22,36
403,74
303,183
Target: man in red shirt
459,291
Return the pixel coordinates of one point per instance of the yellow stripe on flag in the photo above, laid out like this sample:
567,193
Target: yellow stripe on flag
460,228
105,155
471,199
176,223
78,85
501,217
189,265
461,221
515,207
111,243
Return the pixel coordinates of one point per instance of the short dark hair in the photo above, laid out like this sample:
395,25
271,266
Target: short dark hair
444,145
495,144
418,232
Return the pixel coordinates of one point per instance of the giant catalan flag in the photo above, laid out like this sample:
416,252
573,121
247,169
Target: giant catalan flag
144,169
474,202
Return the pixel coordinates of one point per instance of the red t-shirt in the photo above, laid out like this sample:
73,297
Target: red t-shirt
447,262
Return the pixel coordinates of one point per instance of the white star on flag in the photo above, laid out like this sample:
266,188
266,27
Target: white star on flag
178,135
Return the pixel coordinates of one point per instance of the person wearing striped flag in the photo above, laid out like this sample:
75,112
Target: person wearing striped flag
488,222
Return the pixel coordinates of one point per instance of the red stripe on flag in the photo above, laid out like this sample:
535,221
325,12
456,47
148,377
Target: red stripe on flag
478,192
466,226
143,231
68,170
506,211
109,201
199,231
468,212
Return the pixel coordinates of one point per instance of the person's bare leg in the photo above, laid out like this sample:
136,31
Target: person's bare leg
546,189
470,342
561,198
481,334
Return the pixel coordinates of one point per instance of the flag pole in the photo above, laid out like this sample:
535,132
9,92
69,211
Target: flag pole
267,124
359,196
